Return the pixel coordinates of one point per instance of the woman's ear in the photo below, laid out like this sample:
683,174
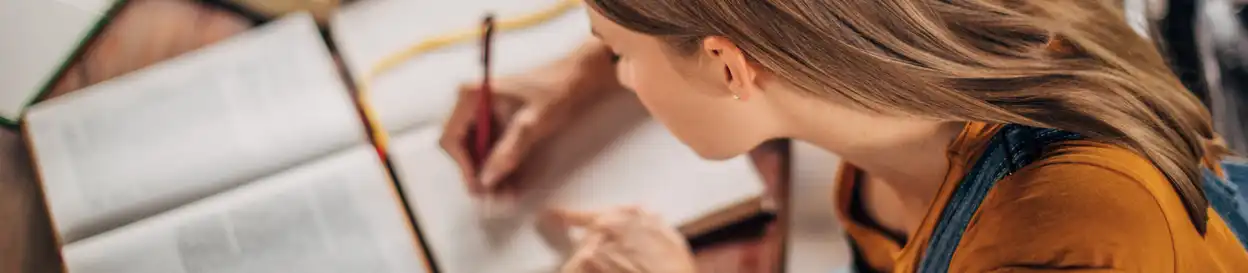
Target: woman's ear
738,74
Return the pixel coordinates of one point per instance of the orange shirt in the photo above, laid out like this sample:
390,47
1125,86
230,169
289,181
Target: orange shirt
1084,206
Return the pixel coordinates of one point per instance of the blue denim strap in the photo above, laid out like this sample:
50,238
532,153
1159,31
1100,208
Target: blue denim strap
1226,199
1236,172
1009,150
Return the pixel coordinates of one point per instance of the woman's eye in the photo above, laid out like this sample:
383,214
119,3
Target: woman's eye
615,58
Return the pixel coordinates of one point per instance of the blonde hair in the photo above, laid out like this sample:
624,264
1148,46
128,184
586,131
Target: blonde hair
1074,65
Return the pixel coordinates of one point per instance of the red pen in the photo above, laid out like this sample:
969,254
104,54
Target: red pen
485,133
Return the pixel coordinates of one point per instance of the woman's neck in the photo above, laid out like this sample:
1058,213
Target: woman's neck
909,154
915,168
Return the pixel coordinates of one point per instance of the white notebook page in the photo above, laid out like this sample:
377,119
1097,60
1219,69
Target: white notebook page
618,157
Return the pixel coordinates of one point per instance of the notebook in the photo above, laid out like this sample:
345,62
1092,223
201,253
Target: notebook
615,155
244,156
40,38
620,159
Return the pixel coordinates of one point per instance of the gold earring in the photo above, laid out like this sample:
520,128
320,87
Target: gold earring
735,96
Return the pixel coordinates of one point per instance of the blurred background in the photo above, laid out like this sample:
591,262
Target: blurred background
1206,41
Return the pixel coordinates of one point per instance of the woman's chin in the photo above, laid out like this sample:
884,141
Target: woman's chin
711,147
717,153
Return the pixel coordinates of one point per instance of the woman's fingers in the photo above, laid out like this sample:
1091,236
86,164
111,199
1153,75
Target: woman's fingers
611,218
454,134
573,218
582,260
515,109
621,240
505,155
596,255
614,260
511,149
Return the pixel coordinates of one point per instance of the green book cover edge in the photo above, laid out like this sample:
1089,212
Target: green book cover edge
80,49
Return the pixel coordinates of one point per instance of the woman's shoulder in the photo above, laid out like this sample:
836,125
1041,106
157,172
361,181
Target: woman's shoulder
1109,177
1082,205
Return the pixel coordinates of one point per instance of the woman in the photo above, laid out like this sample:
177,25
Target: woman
908,93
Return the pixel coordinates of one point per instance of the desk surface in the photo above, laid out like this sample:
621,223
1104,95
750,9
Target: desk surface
148,31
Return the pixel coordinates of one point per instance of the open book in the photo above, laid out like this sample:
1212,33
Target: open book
40,38
613,156
244,156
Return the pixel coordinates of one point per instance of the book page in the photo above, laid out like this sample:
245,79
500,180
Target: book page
424,88
817,241
39,36
182,129
613,156
340,214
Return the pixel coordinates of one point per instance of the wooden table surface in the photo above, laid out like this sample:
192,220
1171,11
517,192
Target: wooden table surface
148,31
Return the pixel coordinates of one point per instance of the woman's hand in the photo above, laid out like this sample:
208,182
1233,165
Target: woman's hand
530,107
626,240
